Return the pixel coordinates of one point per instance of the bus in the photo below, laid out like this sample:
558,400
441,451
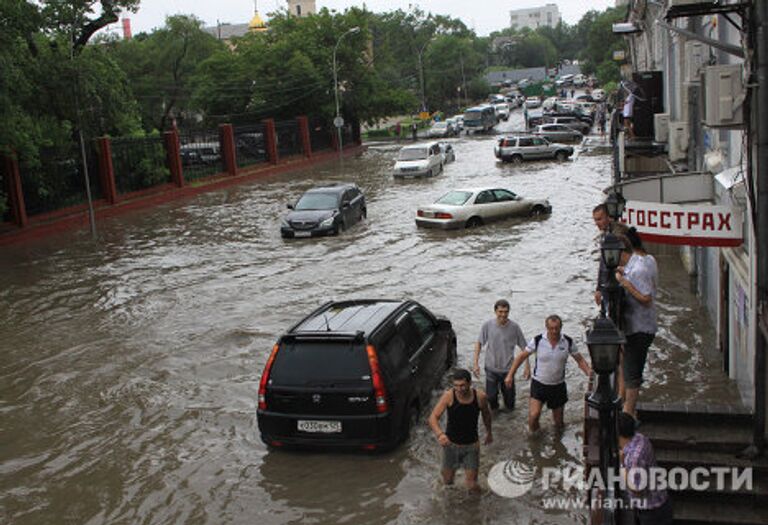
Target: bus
479,118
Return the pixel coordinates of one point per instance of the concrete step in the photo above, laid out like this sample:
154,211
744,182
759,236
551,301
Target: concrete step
695,436
718,415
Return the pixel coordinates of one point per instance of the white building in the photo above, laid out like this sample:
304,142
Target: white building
548,15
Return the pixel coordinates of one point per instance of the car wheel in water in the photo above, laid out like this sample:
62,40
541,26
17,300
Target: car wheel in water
517,159
474,222
561,156
339,228
537,211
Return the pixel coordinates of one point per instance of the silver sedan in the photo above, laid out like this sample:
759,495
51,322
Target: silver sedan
471,207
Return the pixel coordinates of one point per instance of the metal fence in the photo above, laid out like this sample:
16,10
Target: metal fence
320,135
288,139
139,163
200,154
347,135
57,180
250,145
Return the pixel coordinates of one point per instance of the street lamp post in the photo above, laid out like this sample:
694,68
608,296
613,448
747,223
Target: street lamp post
610,251
421,74
604,341
339,121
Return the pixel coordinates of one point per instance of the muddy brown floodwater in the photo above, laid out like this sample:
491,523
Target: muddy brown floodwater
130,366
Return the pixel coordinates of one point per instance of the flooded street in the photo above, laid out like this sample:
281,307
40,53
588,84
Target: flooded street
130,366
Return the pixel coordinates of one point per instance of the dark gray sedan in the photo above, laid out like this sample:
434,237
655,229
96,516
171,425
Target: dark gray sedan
558,133
324,211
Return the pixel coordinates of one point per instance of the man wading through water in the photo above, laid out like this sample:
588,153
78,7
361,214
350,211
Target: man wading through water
460,441
499,337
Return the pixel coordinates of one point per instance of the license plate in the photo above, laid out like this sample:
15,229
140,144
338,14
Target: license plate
428,214
325,427
302,234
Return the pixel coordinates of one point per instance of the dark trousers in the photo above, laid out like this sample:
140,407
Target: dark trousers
494,381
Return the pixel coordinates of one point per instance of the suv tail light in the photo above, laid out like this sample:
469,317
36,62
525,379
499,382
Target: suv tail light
379,392
265,378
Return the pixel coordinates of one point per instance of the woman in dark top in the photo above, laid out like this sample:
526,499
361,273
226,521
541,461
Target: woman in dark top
460,441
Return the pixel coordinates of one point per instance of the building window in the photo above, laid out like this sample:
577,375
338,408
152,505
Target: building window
549,19
298,10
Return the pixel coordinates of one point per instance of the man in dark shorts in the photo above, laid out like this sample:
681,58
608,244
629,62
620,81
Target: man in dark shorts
460,441
551,350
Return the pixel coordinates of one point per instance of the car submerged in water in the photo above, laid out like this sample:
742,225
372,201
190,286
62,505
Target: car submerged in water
327,210
471,207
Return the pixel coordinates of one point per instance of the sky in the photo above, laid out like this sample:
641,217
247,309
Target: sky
484,16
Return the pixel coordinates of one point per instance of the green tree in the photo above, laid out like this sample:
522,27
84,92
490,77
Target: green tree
161,67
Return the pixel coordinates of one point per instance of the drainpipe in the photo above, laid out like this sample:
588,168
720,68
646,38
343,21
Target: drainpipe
761,41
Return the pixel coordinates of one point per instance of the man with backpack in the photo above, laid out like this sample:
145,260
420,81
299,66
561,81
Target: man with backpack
550,350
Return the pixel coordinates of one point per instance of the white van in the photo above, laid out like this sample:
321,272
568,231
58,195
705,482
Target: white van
419,160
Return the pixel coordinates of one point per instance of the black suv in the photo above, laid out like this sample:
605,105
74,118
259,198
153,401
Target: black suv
354,374
324,211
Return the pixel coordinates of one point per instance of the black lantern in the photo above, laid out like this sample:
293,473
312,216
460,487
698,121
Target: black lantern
615,204
604,341
611,251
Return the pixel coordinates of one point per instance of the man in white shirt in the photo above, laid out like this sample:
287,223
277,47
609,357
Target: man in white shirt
551,350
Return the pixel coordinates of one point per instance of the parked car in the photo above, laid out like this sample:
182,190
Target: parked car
467,208
200,153
532,102
419,160
519,148
558,133
354,374
459,122
446,150
442,129
327,210
571,122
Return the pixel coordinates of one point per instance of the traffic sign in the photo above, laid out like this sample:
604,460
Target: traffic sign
338,122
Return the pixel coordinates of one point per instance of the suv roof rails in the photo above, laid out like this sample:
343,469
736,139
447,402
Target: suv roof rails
359,335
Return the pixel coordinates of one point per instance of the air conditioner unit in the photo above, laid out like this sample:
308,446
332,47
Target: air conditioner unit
696,57
724,96
661,127
678,140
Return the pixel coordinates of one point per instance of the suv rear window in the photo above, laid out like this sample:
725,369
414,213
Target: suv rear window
313,363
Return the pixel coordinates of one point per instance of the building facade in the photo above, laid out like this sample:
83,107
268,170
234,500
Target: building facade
695,67
547,15
302,7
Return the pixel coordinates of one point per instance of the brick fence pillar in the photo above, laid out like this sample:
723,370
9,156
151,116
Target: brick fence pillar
173,152
270,138
107,170
228,151
15,193
306,142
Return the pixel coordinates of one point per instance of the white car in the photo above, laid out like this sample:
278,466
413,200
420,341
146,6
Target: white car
419,160
532,102
459,122
441,129
471,207
502,110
